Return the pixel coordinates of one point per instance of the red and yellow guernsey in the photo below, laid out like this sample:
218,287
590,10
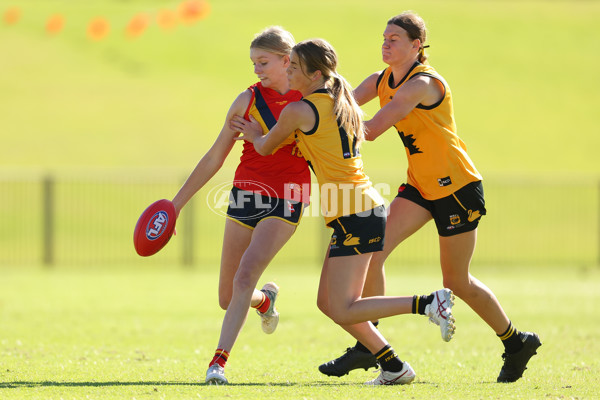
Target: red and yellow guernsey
438,163
283,174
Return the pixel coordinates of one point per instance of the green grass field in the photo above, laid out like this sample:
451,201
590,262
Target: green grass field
142,111
124,334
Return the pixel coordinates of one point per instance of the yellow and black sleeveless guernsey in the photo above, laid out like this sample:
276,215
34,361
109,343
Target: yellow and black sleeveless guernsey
438,163
334,156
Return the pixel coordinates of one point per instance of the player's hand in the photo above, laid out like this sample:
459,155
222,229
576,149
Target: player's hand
250,130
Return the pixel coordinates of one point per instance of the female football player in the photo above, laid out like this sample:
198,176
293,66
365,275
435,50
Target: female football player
442,184
328,126
266,200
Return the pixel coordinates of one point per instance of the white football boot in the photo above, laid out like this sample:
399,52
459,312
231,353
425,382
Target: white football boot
404,377
270,318
215,375
440,312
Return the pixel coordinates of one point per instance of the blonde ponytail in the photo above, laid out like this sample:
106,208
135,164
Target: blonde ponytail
319,55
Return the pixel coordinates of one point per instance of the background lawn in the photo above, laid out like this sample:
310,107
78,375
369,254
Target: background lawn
127,333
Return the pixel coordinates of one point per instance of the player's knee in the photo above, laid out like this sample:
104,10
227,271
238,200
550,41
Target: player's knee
377,262
341,318
224,302
224,296
450,283
340,315
243,282
322,305
458,286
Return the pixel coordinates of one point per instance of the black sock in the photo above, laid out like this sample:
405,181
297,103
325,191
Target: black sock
388,359
419,303
361,347
511,340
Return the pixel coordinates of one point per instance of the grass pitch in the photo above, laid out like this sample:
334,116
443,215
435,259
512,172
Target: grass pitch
149,334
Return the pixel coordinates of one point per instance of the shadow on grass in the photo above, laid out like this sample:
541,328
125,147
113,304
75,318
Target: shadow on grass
30,384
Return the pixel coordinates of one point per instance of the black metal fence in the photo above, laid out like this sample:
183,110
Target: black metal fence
86,219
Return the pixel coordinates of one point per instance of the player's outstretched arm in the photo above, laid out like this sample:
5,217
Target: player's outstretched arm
367,90
214,158
421,89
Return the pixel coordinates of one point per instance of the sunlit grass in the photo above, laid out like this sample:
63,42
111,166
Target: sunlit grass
133,333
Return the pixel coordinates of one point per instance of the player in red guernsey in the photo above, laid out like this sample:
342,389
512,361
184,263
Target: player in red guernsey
266,200
285,170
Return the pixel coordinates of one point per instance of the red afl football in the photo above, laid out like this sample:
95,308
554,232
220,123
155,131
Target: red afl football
154,228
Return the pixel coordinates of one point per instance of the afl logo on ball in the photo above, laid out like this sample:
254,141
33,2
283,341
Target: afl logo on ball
157,225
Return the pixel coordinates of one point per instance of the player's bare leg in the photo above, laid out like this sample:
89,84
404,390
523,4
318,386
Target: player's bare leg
236,240
344,277
404,218
455,253
269,236
455,256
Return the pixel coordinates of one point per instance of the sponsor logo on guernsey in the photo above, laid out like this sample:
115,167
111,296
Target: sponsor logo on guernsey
444,181
157,225
351,240
280,103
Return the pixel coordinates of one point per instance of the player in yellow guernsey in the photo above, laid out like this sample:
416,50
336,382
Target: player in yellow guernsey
335,159
438,163
443,185
329,130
